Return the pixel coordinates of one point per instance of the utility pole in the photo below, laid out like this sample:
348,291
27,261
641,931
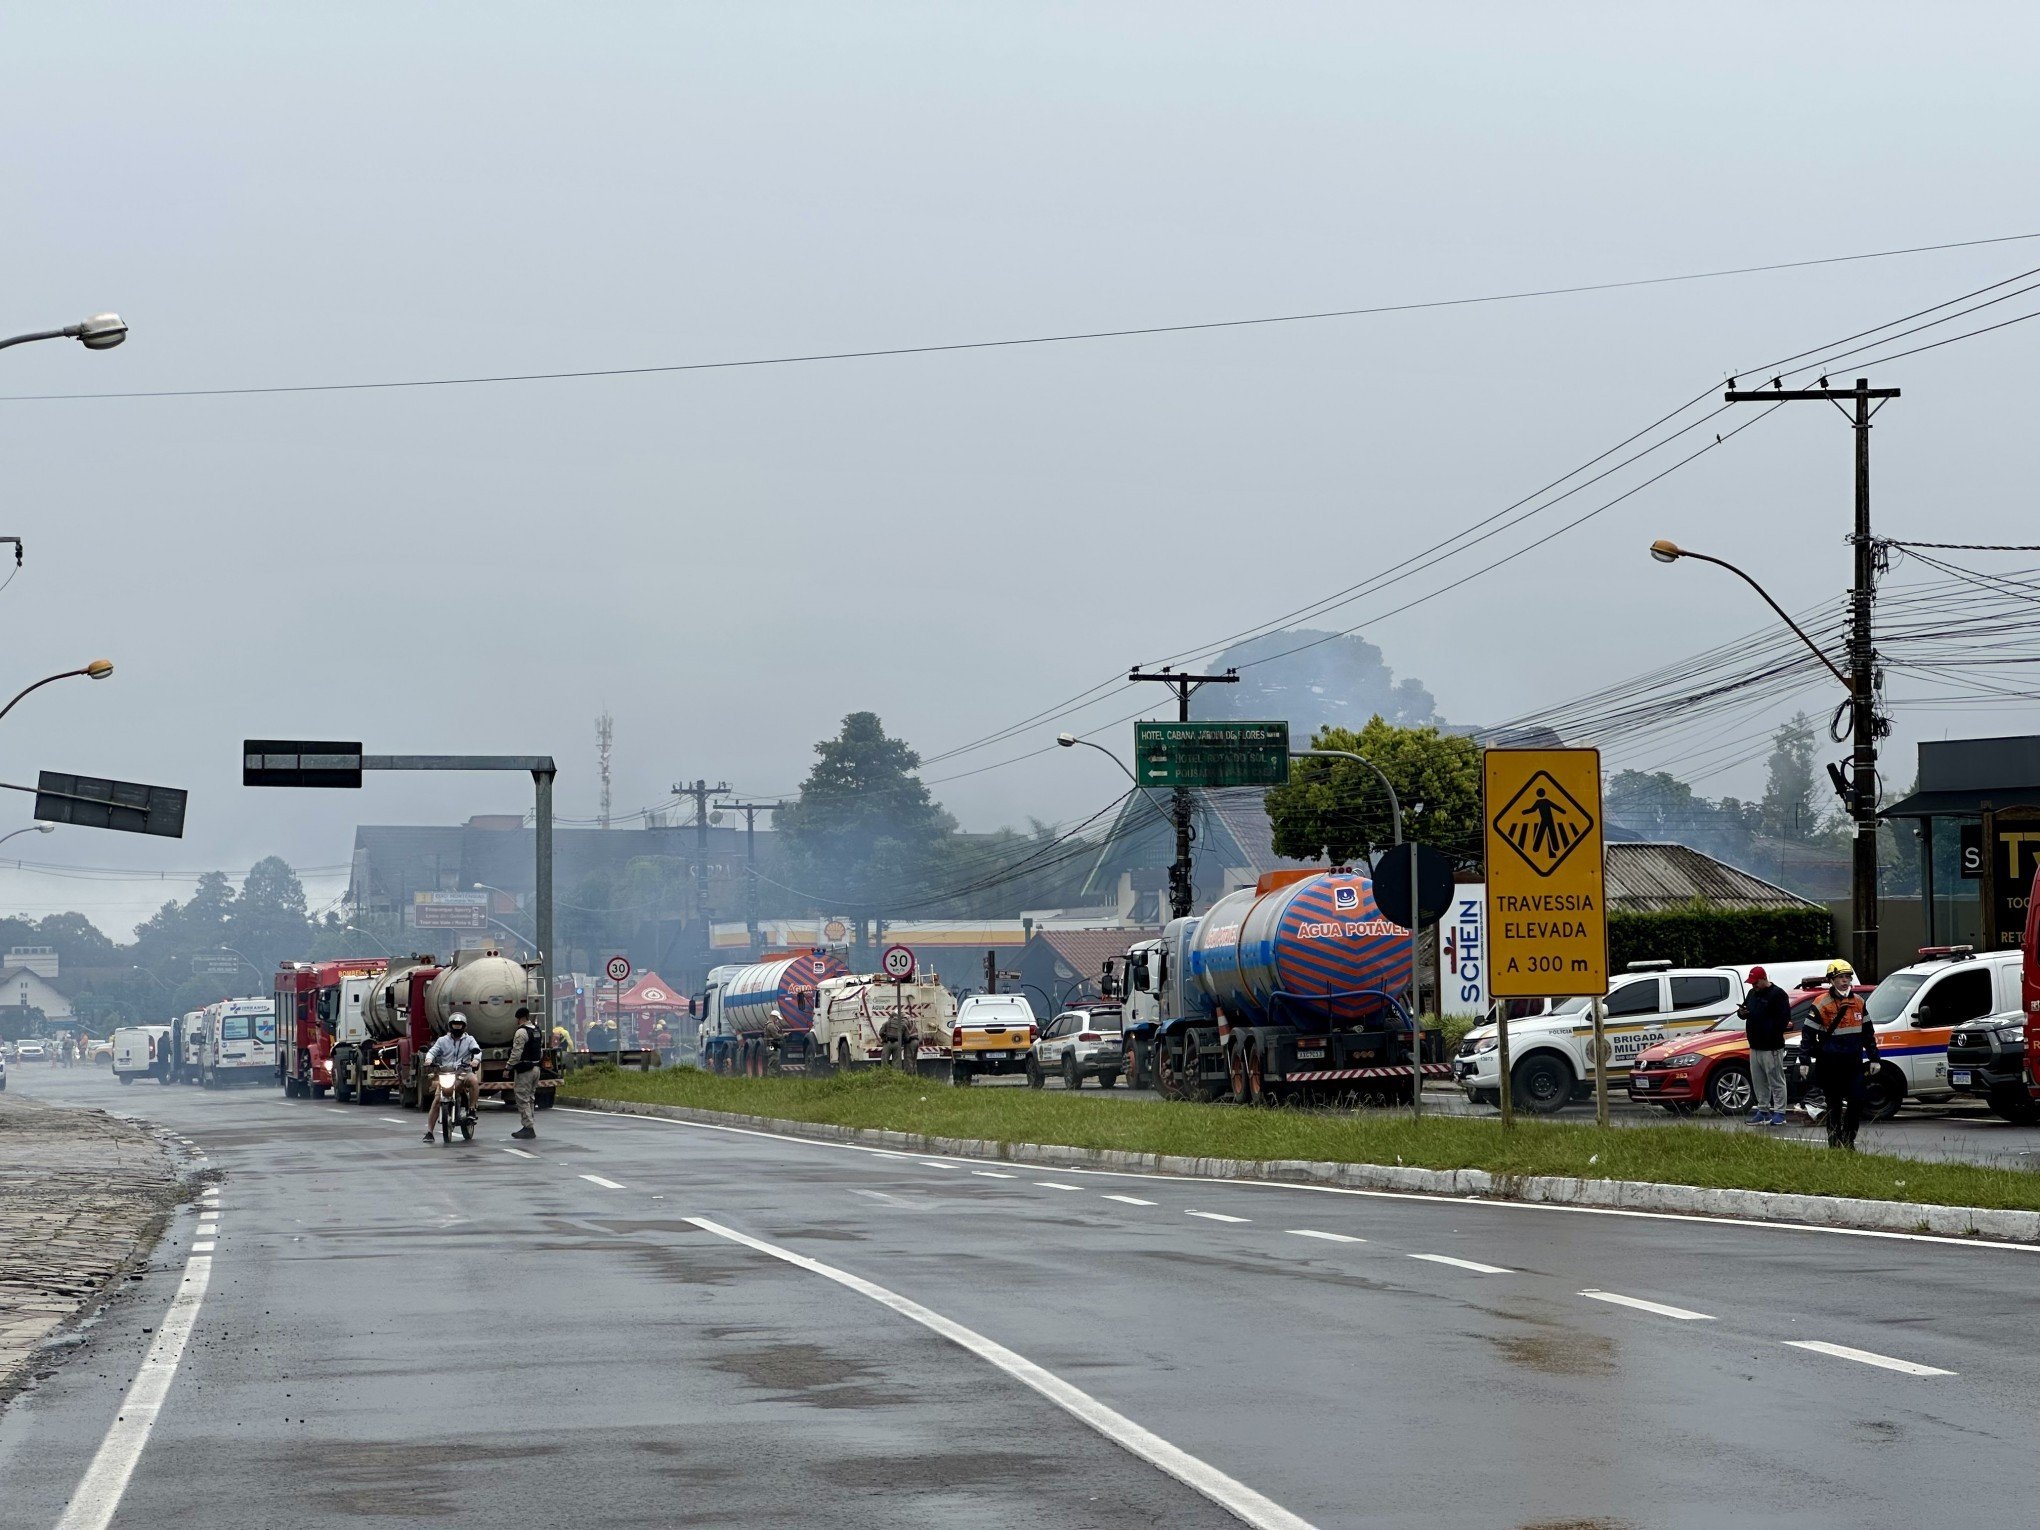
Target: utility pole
1182,890
751,810
701,791
1866,726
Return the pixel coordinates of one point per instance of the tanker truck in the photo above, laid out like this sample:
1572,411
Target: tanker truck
407,1011
758,1019
1283,993
857,1024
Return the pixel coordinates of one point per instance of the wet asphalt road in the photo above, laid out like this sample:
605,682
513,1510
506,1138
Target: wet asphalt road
399,1334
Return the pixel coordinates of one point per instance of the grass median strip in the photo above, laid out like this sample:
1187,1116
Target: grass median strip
1671,1154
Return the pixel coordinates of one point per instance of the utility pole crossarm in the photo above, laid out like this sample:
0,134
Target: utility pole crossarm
1769,395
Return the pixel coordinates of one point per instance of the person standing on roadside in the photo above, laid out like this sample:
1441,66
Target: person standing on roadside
526,1046
1766,1013
1848,1046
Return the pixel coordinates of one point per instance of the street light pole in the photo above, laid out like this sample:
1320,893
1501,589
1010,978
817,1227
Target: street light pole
1396,823
34,828
358,930
101,332
98,669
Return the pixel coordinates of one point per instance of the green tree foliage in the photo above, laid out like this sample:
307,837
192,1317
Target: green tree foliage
1656,804
1335,809
864,828
1794,806
1704,935
267,923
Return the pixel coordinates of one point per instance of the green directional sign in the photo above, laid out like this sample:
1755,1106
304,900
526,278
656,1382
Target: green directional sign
1211,754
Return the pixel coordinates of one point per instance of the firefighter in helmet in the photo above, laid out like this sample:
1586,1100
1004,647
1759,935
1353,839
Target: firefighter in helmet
1846,1050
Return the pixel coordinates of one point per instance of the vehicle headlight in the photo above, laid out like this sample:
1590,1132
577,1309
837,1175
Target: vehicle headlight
2015,1034
1486,1044
1684,1060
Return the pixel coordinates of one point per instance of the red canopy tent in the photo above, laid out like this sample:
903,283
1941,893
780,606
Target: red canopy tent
647,1003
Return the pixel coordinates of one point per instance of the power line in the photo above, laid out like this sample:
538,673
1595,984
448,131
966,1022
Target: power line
1066,338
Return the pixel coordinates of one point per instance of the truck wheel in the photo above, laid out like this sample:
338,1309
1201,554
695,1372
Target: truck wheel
1036,1079
1729,1090
1883,1093
318,1091
1107,1080
959,1075
1131,1066
1072,1079
127,1078
2015,1108
1543,1083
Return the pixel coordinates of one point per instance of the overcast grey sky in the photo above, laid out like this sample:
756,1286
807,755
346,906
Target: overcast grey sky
732,560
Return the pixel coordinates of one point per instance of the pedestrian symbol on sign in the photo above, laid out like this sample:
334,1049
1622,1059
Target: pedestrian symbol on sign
1543,823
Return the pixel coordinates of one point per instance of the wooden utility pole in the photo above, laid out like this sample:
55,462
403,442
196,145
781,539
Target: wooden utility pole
1866,725
1182,888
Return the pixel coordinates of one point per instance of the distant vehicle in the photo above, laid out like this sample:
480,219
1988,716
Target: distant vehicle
408,1007
858,1024
1550,1056
141,1051
3,1070
759,1018
1975,1001
239,1043
31,1051
1078,1044
101,1051
319,1023
187,1046
1713,1067
990,1035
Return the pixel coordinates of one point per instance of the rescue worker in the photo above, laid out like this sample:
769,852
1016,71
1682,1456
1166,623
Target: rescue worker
1841,1028
462,1053
527,1043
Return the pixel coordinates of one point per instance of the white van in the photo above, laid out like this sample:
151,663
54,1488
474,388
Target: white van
238,1044
141,1051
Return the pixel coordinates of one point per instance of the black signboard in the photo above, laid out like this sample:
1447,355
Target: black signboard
2012,836
93,802
300,762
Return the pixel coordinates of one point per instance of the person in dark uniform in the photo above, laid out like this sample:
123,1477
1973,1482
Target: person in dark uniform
1848,1046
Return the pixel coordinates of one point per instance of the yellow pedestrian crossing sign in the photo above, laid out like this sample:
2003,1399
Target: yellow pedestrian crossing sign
1546,892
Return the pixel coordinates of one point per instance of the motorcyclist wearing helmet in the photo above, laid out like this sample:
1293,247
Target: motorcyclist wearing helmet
1840,1026
463,1054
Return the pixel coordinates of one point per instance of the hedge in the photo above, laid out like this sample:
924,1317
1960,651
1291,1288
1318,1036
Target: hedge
1706,935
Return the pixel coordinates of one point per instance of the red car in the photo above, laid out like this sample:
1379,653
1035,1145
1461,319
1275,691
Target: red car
1712,1067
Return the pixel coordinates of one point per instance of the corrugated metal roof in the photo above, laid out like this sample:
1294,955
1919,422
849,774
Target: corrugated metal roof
1085,952
1645,876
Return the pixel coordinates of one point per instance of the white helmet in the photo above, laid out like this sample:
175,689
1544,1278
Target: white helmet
456,1018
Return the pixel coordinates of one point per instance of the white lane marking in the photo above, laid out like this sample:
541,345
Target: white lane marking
1643,1306
208,1194
991,1174
1236,1498
98,1495
393,1120
1129,1200
1843,1352
1463,1202
1312,1232
1214,1216
1464,1264
520,1152
597,1179
203,1248
1051,1184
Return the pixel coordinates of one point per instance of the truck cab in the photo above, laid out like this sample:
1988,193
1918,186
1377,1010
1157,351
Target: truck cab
716,1041
1551,1055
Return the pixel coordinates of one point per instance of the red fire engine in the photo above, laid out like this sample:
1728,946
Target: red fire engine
312,1003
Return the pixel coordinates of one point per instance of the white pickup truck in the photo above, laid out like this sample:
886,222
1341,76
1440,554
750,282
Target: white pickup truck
1551,1055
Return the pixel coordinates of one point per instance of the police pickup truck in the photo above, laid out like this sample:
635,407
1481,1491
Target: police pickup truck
1551,1055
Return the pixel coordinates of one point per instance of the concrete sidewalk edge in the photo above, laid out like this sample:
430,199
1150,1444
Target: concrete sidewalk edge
1466,1184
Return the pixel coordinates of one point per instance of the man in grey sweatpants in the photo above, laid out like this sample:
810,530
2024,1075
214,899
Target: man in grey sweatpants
1766,1014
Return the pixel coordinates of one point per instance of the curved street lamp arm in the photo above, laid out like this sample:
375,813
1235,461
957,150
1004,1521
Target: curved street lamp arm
1394,806
41,334
1766,594
46,680
1115,759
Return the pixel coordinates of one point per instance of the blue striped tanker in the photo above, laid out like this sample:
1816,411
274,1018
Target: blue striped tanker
757,1018
1287,992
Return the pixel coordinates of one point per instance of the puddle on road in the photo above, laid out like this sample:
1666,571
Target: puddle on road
1559,1354
808,1374
374,1480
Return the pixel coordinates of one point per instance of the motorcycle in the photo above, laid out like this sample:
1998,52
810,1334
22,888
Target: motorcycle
447,1091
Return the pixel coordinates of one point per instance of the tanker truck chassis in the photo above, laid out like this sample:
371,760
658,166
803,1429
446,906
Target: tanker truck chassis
1282,1065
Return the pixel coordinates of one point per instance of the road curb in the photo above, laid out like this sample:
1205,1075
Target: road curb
1467,1184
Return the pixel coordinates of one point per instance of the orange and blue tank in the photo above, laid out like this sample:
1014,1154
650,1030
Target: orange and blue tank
1318,951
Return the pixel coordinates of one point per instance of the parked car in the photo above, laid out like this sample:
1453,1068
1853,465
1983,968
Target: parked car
1941,1024
991,1035
3,1070
1078,1044
1713,1067
31,1051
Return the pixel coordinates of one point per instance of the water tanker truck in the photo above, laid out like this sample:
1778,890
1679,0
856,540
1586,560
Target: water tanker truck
758,1019
866,1020
1283,993
407,1010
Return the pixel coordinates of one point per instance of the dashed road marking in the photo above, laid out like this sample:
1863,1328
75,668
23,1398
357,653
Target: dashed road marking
1312,1232
929,1163
1464,1264
203,1248
1056,1184
520,1152
1129,1200
1236,1498
393,1120
1866,1357
1643,1306
1214,1216
597,1179
991,1174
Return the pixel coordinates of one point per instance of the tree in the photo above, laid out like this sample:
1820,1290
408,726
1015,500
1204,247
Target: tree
267,923
864,828
1792,807
1653,803
1335,809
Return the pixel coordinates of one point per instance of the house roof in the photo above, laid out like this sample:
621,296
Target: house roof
1644,876
59,985
1085,952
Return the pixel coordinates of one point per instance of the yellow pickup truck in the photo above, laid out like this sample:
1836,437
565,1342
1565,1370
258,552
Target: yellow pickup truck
991,1034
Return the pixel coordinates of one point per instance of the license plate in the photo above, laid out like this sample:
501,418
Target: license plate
1959,1077
1001,1056
1301,1053
1643,1083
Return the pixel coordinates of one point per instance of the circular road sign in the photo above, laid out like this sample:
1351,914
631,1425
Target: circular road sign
898,963
618,969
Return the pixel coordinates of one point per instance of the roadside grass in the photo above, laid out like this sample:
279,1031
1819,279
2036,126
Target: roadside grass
1670,1154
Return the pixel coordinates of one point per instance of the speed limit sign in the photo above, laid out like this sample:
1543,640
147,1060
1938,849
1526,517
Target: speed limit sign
898,963
618,969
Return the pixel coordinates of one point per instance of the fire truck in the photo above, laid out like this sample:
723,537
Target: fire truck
318,1004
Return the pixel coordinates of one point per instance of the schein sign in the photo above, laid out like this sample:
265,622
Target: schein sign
1463,952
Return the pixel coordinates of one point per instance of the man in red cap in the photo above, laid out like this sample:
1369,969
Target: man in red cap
1766,1014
